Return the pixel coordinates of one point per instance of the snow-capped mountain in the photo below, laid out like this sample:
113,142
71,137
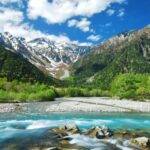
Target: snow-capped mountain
49,56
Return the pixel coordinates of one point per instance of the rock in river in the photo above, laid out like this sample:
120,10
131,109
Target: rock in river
143,142
99,132
66,130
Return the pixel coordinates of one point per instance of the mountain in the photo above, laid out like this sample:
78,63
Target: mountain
14,66
51,57
127,52
124,53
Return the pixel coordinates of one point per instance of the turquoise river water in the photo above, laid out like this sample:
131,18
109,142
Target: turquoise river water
32,126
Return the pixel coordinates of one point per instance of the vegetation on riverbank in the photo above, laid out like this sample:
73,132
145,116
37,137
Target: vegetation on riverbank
120,68
81,92
130,86
21,92
133,86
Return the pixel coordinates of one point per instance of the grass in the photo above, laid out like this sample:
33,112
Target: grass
80,92
129,86
25,92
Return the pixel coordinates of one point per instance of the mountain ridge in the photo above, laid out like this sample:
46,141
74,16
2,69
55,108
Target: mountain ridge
59,59
51,57
120,54
14,66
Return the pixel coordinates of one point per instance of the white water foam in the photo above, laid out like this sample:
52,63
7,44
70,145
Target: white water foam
40,124
86,141
35,124
96,144
54,123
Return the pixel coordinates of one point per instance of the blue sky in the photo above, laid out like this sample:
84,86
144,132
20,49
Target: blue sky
82,22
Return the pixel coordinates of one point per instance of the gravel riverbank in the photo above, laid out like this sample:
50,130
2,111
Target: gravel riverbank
80,104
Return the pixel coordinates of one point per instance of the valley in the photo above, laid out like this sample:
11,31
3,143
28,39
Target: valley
119,68
74,75
49,56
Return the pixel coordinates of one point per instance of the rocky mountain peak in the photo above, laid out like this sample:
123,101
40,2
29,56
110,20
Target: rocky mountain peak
51,57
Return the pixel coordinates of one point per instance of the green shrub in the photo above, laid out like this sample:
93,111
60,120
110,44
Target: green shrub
135,86
80,92
74,92
21,97
20,92
6,96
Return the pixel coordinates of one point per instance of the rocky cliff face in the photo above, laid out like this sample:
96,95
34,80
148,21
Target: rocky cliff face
51,57
56,58
123,39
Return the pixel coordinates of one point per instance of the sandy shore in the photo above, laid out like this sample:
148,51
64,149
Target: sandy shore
94,104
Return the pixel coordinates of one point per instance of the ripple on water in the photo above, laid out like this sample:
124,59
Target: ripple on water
34,125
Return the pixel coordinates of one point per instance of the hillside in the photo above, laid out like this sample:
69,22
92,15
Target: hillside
125,53
14,66
51,57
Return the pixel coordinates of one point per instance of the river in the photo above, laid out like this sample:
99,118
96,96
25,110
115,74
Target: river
20,130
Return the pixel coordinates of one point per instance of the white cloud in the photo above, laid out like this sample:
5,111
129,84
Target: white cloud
23,30
85,44
121,13
12,21
54,11
94,38
110,12
72,22
83,24
10,16
29,33
59,11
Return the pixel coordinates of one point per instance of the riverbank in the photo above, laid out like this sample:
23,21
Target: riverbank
79,104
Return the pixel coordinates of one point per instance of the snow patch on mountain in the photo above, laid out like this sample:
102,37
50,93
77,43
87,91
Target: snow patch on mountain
49,56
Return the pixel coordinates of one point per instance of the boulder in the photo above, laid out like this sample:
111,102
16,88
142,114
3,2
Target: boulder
99,132
141,142
60,132
64,142
66,130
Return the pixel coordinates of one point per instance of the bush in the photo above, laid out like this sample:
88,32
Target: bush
135,86
6,96
22,97
74,92
80,92
47,95
17,91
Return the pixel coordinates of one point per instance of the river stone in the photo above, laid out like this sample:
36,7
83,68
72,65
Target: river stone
64,142
124,134
141,141
66,130
99,132
73,128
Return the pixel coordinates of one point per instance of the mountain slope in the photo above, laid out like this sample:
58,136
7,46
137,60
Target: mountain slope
14,66
124,53
51,57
